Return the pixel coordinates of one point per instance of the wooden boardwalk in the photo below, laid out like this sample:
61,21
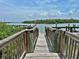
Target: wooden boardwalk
41,45
53,40
41,50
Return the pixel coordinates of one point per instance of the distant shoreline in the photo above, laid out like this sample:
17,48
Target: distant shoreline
52,21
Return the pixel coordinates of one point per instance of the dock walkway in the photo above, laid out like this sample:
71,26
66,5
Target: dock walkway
33,44
41,50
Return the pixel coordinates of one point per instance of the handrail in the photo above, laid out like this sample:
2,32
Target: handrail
52,36
15,46
72,45
64,42
73,36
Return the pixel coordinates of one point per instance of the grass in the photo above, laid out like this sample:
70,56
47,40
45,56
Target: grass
7,30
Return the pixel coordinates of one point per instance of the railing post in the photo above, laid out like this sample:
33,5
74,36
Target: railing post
71,29
31,41
78,52
25,41
66,28
29,38
74,27
62,42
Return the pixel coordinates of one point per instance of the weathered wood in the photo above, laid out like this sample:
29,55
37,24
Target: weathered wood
15,46
62,42
78,52
41,45
42,51
42,56
69,42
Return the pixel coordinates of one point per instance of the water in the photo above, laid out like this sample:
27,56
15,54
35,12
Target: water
42,26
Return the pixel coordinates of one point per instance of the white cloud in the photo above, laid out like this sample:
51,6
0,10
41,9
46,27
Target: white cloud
43,13
61,13
71,11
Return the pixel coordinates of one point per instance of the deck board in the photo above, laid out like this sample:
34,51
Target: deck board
41,50
41,45
42,56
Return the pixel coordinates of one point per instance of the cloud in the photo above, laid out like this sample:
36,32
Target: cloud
71,12
31,9
43,13
61,13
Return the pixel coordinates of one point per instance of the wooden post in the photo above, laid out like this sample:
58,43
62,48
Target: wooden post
71,29
56,25
62,42
74,27
26,41
68,27
78,53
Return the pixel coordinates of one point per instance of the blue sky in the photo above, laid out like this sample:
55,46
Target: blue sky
20,10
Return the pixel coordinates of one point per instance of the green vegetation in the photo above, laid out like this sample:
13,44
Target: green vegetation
7,30
52,21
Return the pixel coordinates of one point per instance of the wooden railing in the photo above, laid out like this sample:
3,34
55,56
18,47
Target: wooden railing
63,42
17,45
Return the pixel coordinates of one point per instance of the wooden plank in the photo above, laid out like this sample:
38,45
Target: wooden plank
42,56
41,45
41,50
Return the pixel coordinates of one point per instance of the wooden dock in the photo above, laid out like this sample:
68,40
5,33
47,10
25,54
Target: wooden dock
42,56
41,45
41,50
31,44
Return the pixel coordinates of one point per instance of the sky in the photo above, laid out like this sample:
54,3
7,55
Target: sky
20,10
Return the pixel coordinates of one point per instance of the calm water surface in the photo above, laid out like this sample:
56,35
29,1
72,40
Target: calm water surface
42,26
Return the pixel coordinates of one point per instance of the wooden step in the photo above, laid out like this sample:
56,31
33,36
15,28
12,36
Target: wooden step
42,56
